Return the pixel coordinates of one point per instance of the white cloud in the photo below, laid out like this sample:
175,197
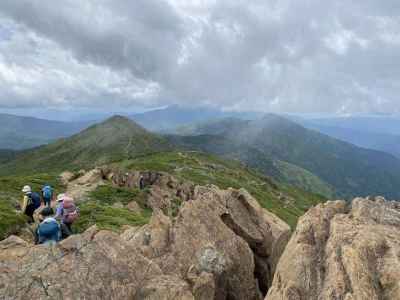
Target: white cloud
288,55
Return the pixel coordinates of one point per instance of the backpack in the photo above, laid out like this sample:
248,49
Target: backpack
34,199
49,230
47,192
70,212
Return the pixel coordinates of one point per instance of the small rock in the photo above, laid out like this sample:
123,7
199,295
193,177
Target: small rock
134,207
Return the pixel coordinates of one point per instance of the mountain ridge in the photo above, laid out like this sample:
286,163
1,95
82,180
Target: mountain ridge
23,132
351,170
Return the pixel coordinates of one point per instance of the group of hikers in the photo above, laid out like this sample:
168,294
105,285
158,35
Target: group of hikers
52,227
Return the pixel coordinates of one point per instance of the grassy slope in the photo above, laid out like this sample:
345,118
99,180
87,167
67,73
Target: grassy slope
254,158
99,209
300,177
285,201
10,195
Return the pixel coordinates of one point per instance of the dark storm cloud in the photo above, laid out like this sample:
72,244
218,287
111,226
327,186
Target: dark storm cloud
305,56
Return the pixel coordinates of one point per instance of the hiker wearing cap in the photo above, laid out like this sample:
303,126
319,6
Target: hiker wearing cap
48,231
30,202
67,212
60,199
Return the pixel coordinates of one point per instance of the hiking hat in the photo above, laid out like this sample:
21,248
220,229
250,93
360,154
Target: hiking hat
27,189
61,197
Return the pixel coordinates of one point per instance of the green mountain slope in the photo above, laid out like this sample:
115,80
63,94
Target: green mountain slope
7,155
389,143
254,158
349,169
115,139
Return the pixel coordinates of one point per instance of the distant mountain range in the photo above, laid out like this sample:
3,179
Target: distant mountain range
115,139
385,124
379,132
373,132
19,133
167,120
274,145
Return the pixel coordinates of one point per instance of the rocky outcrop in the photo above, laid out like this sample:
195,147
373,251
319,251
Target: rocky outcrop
213,243
165,192
341,251
95,265
220,245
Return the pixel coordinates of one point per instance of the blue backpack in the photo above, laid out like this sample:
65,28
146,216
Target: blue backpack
34,198
48,231
47,192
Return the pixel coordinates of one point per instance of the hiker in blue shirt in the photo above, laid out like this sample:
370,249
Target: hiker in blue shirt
47,195
48,231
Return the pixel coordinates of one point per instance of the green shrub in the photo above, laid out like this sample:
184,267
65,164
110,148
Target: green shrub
108,194
10,186
10,221
107,217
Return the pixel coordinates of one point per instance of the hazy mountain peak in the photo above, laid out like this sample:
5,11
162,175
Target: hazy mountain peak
117,126
117,119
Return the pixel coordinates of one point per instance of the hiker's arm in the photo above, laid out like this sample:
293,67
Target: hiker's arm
59,210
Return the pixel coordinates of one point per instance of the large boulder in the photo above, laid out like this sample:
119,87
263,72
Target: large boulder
222,242
95,265
342,251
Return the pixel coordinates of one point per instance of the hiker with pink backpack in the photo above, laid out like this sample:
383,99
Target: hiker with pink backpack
67,213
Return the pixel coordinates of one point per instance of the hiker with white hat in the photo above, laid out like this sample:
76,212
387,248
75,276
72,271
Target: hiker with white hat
30,202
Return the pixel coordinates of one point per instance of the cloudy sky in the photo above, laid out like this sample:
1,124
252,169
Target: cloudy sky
335,56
